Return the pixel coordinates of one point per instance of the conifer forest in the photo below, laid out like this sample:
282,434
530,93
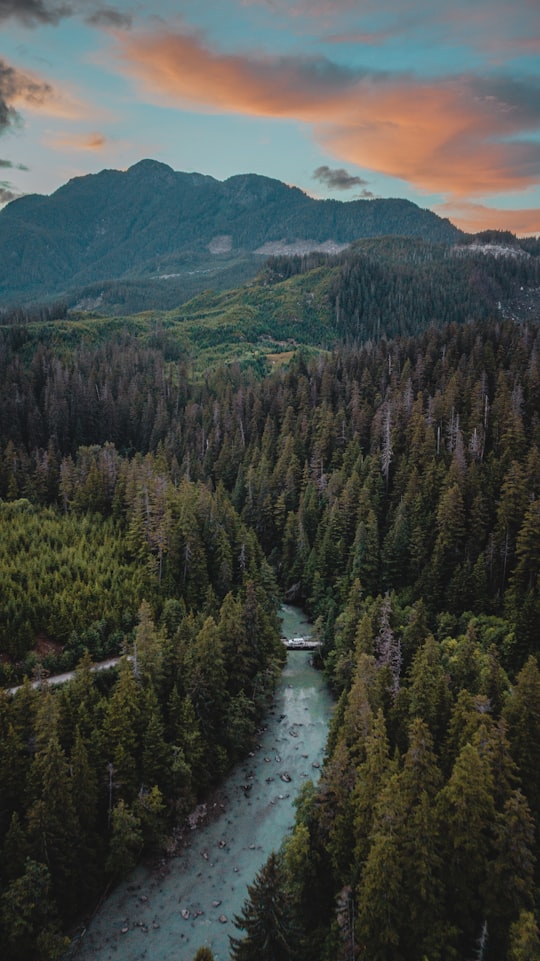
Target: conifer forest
390,485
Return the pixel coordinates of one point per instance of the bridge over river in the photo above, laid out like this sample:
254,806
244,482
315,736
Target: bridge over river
301,643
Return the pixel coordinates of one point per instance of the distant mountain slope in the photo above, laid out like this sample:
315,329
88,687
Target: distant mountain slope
153,225
376,289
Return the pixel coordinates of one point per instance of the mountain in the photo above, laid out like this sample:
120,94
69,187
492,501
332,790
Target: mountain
165,235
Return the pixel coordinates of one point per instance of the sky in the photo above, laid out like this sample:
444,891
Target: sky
434,101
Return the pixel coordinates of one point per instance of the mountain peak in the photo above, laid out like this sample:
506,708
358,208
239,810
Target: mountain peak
156,171
151,170
147,165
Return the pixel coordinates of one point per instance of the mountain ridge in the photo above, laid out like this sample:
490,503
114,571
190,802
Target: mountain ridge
150,221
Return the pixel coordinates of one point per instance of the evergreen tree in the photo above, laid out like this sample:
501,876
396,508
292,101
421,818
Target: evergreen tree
381,906
511,880
53,824
150,809
155,755
240,659
466,808
428,691
121,730
266,919
84,786
206,680
373,774
147,648
28,917
126,840
15,850
522,713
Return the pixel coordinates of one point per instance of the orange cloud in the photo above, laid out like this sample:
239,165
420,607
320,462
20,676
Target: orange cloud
178,70
443,137
474,217
462,136
83,141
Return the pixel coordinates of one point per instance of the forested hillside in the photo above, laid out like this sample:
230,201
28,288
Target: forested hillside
154,236
379,287
393,488
98,772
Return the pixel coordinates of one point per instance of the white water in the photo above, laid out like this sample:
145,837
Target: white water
143,917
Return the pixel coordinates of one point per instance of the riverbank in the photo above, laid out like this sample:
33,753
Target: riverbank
191,899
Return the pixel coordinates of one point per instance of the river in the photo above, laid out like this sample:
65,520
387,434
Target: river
167,915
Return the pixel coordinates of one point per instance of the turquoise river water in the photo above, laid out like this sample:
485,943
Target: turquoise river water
165,915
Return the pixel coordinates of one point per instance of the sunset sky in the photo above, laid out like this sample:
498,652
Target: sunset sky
434,101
